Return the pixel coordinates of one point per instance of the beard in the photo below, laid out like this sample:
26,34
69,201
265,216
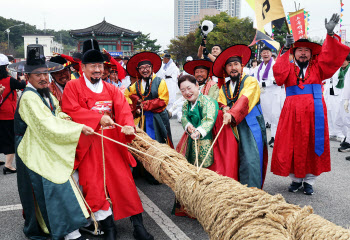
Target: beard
147,78
302,65
95,80
235,78
44,92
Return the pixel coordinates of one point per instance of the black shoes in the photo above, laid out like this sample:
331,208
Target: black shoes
2,163
344,147
295,186
140,233
348,158
109,229
6,170
308,190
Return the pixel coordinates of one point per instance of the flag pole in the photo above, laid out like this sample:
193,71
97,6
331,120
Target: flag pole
286,22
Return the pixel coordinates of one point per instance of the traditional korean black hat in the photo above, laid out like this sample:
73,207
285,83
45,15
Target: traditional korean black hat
35,62
91,52
62,61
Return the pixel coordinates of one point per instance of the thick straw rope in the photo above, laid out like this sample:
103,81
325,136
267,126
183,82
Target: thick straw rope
228,210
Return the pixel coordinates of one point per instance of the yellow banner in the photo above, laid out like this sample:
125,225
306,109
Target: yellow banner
268,10
251,3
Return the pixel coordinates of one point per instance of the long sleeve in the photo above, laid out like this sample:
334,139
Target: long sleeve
158,104
184,119
214,92
210,110
281,69
331,57
49,143
248,98
77,107
222,98
130,91
15,84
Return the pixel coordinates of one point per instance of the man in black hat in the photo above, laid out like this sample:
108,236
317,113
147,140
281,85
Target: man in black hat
104,172
60,78
45,148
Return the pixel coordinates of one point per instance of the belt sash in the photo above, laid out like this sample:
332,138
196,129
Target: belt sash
316,91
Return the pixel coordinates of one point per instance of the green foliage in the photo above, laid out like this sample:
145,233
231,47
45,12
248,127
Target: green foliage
280,35
227,32
16,33
144,43
183,46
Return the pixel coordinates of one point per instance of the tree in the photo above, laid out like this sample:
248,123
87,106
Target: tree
280,34
183,46
144,43
227,32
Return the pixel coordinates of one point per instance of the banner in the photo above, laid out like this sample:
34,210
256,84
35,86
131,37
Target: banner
343,36
259,36
297,23
268,10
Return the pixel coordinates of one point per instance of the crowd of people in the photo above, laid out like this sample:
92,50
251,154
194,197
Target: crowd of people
69,105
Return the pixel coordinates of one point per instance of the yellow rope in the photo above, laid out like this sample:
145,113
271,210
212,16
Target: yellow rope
136,150
217,135
104,170
92,215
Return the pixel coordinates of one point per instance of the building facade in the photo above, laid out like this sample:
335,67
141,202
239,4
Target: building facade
116,40
46,40
185,9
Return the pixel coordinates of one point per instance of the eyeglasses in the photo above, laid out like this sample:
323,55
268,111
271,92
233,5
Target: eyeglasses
147,67
100,66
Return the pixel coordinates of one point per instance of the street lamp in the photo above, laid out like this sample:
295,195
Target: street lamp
8,35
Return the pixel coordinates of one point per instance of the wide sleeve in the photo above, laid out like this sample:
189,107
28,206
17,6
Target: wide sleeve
157,105
49,144
130,91
248,98
222,98
210,110
331,57
77,107
281,68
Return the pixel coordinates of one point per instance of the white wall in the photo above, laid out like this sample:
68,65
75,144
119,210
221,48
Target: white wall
47,41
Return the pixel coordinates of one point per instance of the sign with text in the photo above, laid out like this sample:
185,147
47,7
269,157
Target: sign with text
297,23
114,54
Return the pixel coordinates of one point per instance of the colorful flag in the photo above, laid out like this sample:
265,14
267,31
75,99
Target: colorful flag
297,23
259,36
268,10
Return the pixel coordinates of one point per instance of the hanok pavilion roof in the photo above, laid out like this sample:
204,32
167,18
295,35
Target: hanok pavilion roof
103,29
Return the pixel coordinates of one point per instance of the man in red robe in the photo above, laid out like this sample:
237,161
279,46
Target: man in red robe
301,147
104,170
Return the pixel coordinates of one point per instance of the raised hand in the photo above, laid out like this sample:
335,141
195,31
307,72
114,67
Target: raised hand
289,41
332,23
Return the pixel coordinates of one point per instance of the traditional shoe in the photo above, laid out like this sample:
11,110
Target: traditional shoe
295,186
6,170
272,140
140,232
91,230
348,158
308,190
2,163
109,229
342,143
345,147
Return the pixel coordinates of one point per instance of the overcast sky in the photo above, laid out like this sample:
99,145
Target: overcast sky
155,16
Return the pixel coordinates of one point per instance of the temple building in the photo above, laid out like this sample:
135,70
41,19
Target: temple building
116,40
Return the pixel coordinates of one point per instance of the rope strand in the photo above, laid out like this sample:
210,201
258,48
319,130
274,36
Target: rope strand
104,171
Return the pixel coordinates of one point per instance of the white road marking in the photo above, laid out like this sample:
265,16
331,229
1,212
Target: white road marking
10,207
163,221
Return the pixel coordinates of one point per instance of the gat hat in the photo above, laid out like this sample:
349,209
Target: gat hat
314,47
4,60
131,66
91,52
239,50
35,62
189,58
167,55
62,61
191,66
78,55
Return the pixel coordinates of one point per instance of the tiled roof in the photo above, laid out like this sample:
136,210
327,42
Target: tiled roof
103,29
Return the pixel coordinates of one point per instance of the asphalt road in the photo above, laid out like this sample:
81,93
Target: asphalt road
331,201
